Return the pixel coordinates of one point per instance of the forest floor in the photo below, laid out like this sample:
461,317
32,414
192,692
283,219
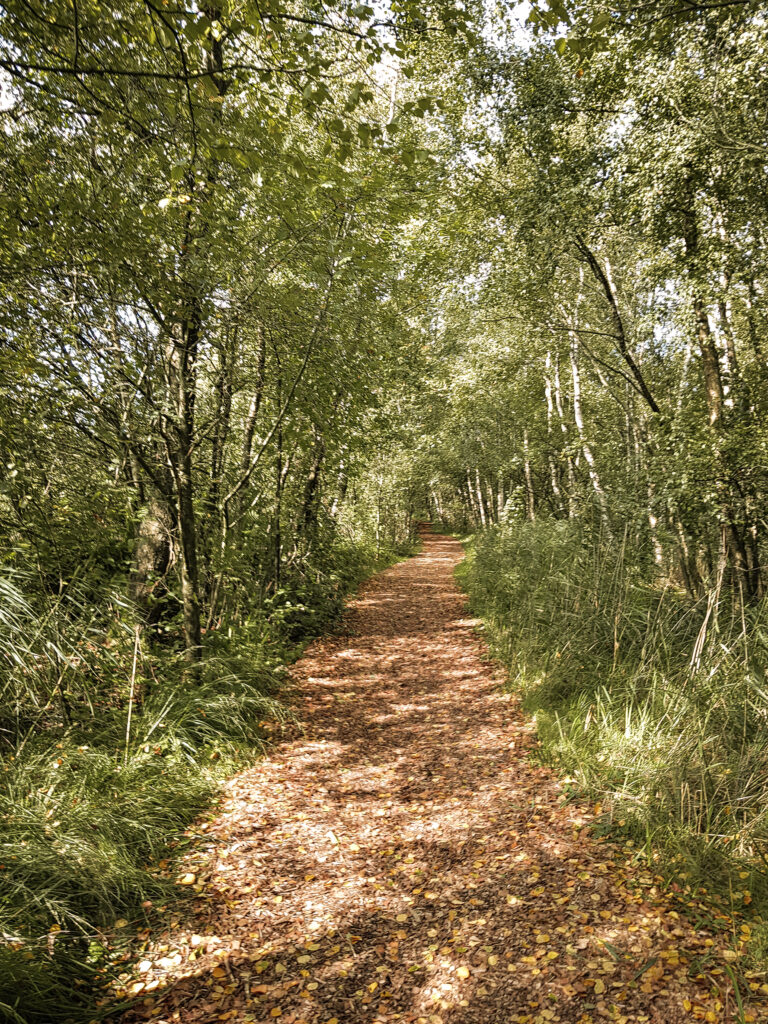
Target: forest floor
401,857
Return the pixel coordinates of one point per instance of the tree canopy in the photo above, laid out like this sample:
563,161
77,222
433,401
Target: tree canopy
280,280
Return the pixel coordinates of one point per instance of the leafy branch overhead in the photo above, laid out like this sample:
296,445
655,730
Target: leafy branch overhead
280,282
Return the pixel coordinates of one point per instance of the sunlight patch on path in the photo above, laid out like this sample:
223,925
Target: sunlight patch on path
404,860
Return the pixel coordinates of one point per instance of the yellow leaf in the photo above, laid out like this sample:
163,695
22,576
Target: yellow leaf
219,972
276,1012
463,972
401,917
599,987
493,959
188,879
542,938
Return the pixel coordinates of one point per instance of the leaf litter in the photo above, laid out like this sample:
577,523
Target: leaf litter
400,858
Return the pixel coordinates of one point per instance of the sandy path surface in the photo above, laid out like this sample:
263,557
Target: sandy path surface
402,859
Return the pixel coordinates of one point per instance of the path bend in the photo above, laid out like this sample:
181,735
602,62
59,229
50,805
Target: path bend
402,859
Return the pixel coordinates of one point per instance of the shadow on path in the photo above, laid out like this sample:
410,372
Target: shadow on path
403,860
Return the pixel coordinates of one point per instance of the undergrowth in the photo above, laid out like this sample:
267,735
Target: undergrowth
654,707
109,748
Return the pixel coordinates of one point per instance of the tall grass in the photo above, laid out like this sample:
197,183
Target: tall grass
108,751
655,707
88,806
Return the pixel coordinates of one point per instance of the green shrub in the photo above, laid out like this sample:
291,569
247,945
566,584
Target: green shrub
89,806
673,744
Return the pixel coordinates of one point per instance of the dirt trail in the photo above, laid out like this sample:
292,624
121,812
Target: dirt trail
403,860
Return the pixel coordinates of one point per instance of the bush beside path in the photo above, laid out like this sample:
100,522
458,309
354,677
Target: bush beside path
401,858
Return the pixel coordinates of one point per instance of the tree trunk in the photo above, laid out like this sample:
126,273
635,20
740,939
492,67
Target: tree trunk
578,417
308,514
179,433
251,418
342,482
553,474
491,500
530,510
564,431
277,539
471,499
604,277
729,515
480,502
154,551
710,362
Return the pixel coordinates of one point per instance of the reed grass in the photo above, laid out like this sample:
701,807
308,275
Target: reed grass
648,705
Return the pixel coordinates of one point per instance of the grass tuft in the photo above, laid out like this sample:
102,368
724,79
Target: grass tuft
661,720
103,768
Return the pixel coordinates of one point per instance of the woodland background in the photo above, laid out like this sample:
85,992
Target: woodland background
279,280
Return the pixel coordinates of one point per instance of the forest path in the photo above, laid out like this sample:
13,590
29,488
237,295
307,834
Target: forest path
403,860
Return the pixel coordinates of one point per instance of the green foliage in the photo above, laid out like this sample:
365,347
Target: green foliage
672,743
87,808
275,285
50,983
312,602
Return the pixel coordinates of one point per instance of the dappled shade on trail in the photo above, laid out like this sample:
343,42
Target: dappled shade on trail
401,858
